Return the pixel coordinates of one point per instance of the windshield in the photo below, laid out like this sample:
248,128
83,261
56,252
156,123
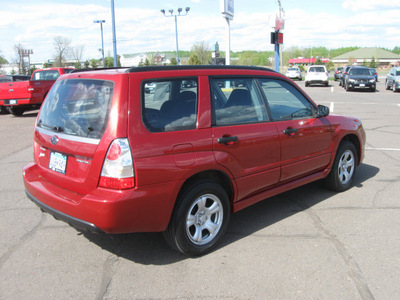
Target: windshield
398,73
365,72
77,107
293,69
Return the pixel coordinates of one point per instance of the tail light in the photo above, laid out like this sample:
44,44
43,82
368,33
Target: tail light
118,172
30,88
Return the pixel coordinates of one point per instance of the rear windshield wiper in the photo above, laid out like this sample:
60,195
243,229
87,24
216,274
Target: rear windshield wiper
53,128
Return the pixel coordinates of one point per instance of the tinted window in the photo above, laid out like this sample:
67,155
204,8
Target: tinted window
365,72
237,101
285,101
77,107
46,75
397,73
317,69
169,105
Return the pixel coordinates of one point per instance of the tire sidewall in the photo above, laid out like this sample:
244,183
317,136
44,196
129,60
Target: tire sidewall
181,240
333,178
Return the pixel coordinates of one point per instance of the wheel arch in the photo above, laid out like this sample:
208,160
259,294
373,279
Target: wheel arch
352,138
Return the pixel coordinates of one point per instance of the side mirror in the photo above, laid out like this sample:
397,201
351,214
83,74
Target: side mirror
323,111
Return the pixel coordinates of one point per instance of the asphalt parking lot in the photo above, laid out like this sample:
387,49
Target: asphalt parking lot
308,243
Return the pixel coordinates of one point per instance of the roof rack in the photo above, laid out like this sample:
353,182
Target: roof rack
195,67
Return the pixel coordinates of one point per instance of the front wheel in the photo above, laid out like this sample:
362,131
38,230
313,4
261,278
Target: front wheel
344,168
394,87
200,219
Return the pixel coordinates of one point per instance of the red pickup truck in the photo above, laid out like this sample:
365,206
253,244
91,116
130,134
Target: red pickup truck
20,96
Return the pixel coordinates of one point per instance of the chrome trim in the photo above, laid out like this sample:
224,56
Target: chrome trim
68,137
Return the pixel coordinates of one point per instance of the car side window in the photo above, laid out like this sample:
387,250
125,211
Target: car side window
285,101
236,101
169,105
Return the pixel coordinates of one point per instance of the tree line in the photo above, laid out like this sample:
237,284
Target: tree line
199,54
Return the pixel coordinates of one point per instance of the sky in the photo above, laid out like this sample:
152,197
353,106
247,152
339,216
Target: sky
141,27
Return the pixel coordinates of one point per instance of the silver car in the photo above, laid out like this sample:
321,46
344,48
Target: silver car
294,73
393,79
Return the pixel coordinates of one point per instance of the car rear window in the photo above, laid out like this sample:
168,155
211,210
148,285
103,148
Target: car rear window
46,75
77,107
317,69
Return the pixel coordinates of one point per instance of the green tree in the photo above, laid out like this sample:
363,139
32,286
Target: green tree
94,63
86,64
372,63
173,61
202,51
194,60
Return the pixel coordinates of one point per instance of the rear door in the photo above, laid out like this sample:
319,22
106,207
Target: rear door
244,139
41,82
305,139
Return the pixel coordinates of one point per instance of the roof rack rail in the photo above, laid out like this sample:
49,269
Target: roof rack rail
97,69
194,67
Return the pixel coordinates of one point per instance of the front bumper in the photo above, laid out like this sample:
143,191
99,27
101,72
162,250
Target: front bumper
361,85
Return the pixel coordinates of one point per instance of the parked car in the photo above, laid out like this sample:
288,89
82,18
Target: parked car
294,73
393,79
4,79
317,74
338,73
21,96
110,158
374,73
344,75
360,78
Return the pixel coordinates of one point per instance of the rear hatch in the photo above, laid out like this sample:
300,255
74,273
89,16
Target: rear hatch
69,147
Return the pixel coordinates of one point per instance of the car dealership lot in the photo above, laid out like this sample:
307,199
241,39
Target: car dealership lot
306,243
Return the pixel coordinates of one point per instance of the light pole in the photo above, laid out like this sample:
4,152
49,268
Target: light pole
102,42
114,34
171,11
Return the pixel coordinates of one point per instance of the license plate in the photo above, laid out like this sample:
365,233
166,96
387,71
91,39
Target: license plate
12,102
58,162
362,84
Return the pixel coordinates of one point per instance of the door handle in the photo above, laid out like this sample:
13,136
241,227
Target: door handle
290,131
227,140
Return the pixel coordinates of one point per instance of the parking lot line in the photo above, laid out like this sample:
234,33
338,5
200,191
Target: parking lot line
382,149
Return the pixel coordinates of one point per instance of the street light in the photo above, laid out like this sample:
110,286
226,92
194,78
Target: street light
102,43
171,11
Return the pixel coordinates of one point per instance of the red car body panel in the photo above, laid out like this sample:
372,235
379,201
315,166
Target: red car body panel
27,92
264,162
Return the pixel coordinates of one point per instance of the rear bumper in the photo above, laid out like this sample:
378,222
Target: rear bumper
19,102
146,209
74,222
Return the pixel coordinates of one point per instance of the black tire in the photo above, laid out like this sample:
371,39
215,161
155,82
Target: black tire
306,83
195,228
347,87
16,111
3,110
394,87
373,89
344,168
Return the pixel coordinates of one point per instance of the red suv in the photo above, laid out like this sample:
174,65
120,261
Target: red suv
113,155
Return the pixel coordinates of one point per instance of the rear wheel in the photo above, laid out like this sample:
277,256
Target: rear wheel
16,111
394,87
3,110
200,219
344,167
387,85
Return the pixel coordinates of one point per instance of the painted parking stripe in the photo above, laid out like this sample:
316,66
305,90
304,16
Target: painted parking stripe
382,149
